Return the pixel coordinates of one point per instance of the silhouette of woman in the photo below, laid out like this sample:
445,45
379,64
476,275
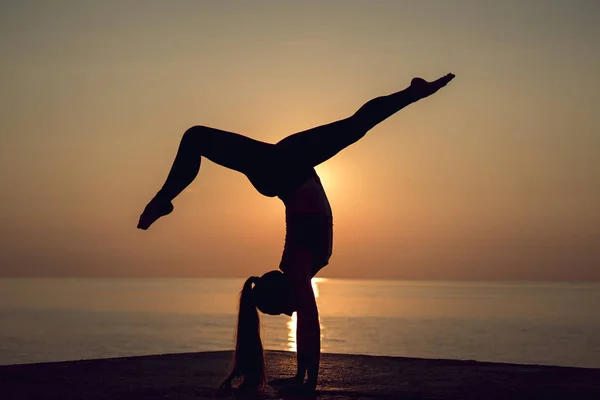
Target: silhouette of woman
285,170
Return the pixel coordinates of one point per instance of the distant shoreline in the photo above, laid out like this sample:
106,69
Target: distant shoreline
278,353
196,375
353,279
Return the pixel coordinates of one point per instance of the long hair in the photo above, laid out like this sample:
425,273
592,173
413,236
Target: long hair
248,361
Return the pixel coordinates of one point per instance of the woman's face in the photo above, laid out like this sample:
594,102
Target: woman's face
288,307
279,307
275,296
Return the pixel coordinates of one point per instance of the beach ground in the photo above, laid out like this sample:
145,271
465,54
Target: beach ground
196,375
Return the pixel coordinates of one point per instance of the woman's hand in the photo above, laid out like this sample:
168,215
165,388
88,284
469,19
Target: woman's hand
226,385
308,386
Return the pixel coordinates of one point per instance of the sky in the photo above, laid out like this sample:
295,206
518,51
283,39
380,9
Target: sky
496,177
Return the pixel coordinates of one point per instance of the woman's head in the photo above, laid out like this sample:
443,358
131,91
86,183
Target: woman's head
272,294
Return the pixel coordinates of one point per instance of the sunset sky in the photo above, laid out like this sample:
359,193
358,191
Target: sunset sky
497,176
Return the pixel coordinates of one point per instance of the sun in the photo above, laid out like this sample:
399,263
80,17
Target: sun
327,176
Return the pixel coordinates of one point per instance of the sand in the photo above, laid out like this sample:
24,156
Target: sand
196,375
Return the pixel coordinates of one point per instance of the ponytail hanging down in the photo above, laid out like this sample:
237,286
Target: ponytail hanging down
248,362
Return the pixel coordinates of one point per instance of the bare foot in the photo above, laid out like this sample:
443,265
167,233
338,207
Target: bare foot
154,210
423,88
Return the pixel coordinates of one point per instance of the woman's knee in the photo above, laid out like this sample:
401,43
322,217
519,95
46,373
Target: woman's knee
195,134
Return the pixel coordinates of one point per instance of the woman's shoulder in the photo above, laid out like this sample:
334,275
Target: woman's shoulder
297,266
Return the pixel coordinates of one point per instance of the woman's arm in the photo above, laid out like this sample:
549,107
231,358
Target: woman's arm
308,335
308,331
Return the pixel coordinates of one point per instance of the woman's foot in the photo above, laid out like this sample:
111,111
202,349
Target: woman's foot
422,88
154,210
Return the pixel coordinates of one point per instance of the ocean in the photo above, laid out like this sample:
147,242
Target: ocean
524,322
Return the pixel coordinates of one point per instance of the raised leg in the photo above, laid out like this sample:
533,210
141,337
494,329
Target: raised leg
227,149
314,146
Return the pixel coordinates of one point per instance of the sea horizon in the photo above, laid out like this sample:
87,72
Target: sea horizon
424,280
533,322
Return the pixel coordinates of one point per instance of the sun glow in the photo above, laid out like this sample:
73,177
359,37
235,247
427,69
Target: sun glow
327,176
293,322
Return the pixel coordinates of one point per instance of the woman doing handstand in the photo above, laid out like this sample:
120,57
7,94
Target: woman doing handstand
286,170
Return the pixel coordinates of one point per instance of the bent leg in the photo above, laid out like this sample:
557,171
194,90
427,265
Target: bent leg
227,149
314,146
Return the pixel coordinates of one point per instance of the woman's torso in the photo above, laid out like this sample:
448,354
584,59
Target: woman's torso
309,225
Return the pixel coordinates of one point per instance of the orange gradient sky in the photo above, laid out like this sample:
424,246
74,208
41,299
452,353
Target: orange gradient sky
495,177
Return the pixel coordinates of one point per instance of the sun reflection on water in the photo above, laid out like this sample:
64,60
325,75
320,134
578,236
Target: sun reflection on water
292,323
